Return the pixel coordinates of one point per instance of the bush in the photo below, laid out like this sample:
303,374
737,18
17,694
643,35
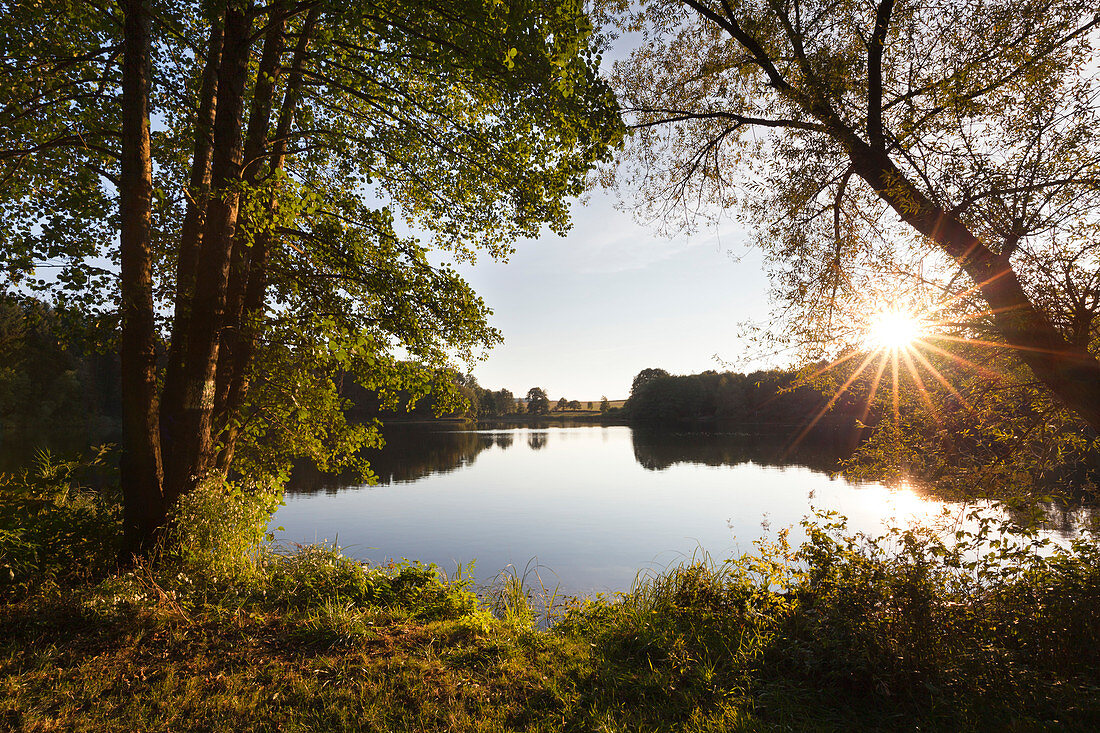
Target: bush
317,574
980,628
219,537
219,528
54,529
994,615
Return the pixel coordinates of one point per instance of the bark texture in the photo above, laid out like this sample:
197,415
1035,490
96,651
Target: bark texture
193,449
255,155
190,241
141,470
256,285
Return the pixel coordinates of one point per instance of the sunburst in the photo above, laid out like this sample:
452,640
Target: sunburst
897,333
894,327
904,330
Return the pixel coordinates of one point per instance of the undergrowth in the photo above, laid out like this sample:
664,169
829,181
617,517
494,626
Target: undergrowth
993,630
985,629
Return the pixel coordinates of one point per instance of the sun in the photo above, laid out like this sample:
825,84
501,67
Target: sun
893,336
894,327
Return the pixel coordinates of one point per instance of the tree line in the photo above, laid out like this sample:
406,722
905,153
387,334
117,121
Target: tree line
56,379
456,394
770,401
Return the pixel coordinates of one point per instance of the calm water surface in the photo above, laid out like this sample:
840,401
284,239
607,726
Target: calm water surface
592,506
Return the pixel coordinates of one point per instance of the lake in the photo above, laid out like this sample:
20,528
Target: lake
590,506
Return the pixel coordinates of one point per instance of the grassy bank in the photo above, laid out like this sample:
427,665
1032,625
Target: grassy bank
902,633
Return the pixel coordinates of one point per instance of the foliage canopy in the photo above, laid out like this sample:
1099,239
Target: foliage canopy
265,165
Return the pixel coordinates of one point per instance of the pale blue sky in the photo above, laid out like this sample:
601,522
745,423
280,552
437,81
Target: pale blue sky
581,315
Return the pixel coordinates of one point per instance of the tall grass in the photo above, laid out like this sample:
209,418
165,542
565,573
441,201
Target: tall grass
55,529
527,600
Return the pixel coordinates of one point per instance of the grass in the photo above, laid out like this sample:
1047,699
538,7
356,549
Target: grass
333,667
904,632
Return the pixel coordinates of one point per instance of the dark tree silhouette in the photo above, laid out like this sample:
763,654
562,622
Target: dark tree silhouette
537,401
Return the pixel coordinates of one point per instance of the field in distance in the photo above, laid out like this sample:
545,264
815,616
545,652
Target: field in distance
585,409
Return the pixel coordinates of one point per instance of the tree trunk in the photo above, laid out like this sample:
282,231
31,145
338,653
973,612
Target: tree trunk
141,471
256,288
190,240
1070,372
193,451
255,149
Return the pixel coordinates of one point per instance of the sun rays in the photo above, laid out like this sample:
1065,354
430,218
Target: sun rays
895,342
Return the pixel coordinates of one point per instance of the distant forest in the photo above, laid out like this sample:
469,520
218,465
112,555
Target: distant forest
54,379
763,401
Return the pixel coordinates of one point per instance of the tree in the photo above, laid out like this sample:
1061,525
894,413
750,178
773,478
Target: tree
563,405
589,405
646,375
505,402
604,404
501,402
891,141
471,393
250,215
537,401
574,405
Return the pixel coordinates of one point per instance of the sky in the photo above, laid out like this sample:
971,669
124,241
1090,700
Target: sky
581,315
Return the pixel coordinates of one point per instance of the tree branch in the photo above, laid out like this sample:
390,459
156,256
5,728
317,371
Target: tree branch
731,26
874,73
685,115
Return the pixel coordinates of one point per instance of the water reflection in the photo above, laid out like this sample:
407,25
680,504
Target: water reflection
594,504
412,452
656,449
1056,517
416,451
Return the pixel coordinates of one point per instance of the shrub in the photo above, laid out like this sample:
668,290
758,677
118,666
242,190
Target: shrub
975,626
219,528
54,529
317,574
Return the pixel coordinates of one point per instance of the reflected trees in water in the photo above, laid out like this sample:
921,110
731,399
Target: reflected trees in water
657,450
413,452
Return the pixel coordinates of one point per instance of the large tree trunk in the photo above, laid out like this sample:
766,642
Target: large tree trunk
190,239
256,287
255,155
1070,372
193,450
142,500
